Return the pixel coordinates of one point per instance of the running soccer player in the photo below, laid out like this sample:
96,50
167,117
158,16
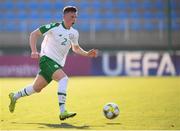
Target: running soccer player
59,38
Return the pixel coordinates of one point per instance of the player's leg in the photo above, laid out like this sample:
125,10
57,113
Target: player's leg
38,84
62,80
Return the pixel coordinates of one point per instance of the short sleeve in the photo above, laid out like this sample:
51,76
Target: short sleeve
44,29
75,37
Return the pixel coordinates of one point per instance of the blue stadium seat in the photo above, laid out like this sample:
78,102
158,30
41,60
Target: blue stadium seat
97,4
9,15
57,15
159,4
12,26
175,25
122,15
110,27
147,4
71,2
85,26
45,5
121,26
2,28
162,26
136,25
8,27
84,4
98,26
135,15
107,4
133,4
121,4
175,4
173,15
22,14
33,4
21,4
2,15
108,15
58,5
21,10
149,26
95,15
83,15
160,15
8,4
34,14
46,15
2,6
23,27
148,15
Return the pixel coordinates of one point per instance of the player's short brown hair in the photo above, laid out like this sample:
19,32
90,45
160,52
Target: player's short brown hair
68,9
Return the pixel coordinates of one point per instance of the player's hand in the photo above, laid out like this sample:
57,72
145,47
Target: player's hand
92,53
35,55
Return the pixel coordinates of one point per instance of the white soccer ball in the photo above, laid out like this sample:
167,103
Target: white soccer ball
111,110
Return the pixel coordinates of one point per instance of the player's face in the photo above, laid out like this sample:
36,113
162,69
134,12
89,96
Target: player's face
70,18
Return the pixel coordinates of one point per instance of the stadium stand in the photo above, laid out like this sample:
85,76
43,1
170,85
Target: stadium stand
143,10
119,24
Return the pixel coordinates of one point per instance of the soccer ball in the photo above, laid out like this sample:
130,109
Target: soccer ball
111,110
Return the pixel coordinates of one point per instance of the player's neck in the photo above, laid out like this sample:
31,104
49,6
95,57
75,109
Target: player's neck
65,25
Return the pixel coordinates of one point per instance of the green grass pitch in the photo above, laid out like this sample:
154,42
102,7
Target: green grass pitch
145,103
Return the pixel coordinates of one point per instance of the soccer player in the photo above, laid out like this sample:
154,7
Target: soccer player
59,38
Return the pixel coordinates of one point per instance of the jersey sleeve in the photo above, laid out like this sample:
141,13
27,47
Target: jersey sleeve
44,29
75,38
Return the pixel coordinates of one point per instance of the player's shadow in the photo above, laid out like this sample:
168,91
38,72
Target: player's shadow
62,125
113,123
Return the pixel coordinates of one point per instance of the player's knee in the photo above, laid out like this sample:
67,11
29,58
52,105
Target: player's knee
65,78
37,89
60,76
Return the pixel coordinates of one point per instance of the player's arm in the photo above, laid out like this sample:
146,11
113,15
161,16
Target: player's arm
32,41
78,50
42,30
